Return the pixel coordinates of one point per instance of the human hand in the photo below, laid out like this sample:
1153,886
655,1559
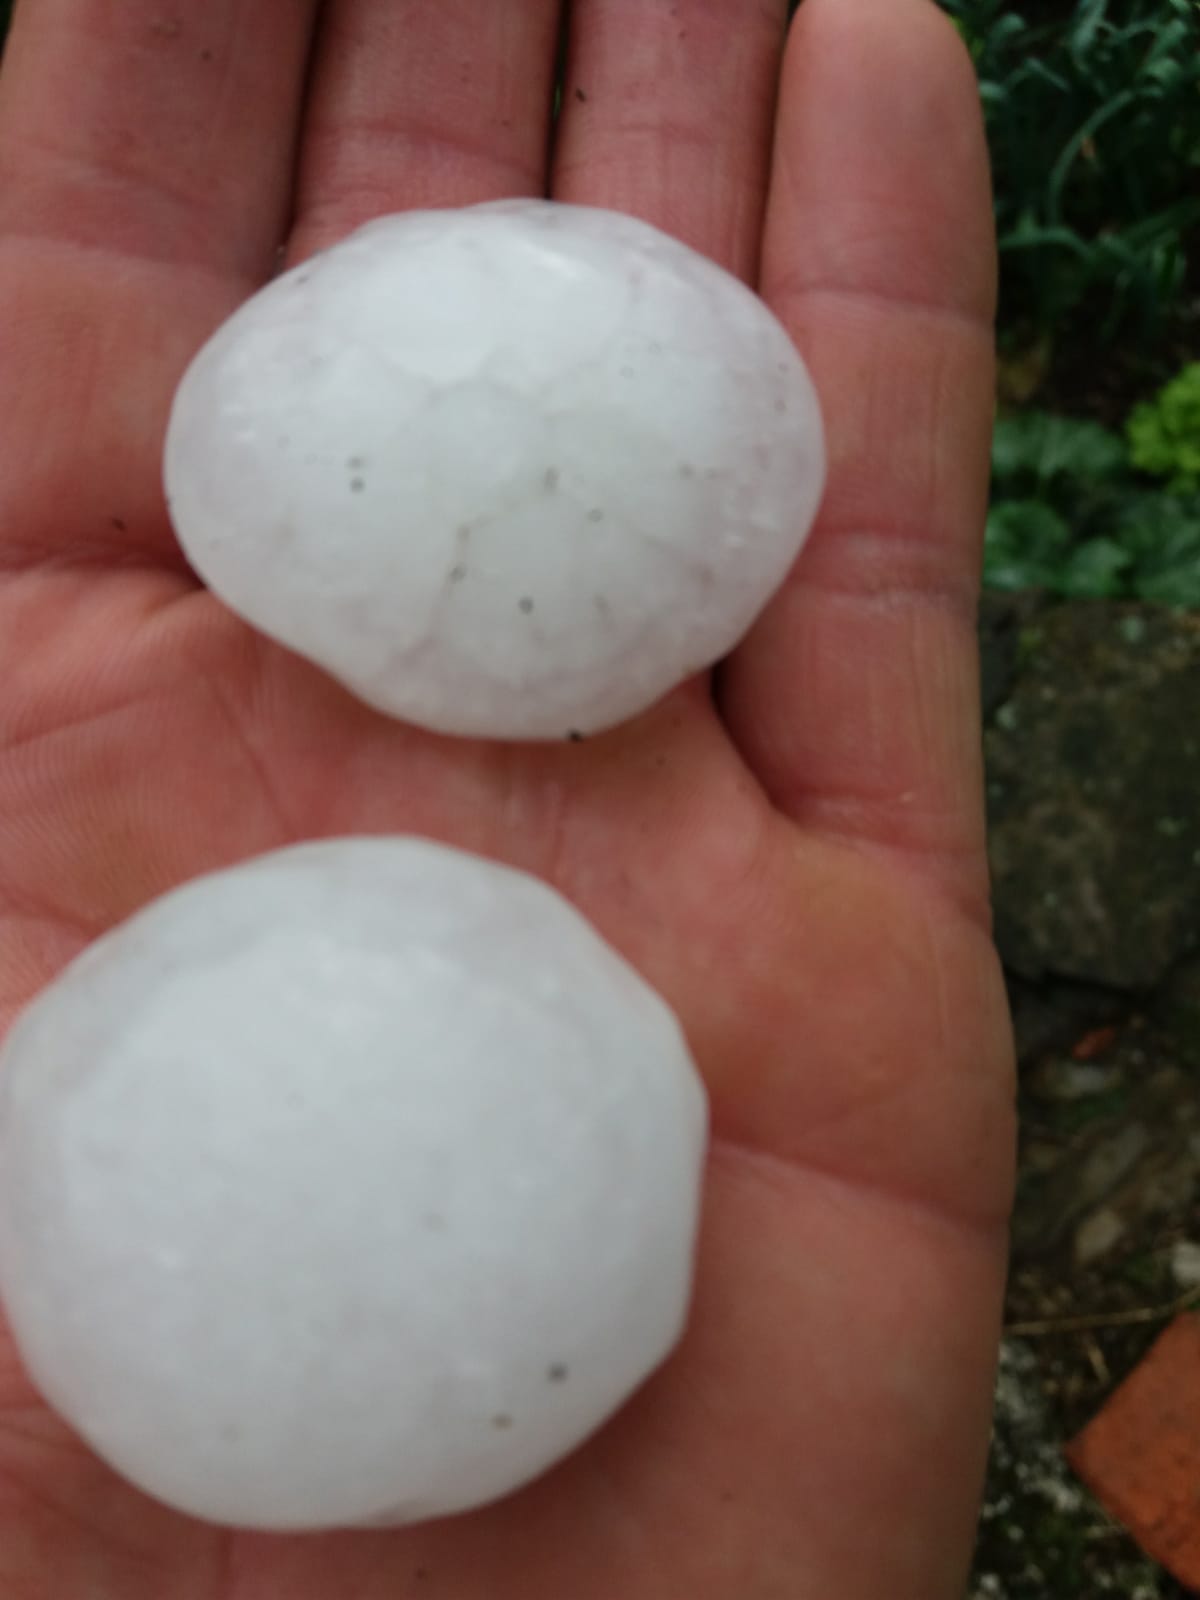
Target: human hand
795,859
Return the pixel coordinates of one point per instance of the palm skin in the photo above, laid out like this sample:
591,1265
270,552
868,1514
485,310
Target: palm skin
792,855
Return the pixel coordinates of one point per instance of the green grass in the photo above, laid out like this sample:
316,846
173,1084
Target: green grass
1093,117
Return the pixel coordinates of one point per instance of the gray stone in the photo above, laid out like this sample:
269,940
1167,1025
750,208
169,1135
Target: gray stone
1002,616
1176,1009
1050,1017
1136,1168
1093,778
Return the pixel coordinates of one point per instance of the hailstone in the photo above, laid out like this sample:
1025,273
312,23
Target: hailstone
354,1185
511,471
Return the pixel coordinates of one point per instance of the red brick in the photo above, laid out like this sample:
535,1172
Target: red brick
1140,1455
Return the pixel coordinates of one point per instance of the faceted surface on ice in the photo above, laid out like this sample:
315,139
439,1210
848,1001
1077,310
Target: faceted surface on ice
510,471
354,1185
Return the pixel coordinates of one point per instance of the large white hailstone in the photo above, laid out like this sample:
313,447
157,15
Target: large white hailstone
512,471
354,1185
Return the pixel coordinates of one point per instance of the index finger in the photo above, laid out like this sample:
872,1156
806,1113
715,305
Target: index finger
146,151
854,699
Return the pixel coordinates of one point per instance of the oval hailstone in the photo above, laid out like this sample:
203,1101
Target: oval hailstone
353,1185
512,471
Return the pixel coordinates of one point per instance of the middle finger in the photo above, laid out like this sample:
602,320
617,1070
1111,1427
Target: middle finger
420,103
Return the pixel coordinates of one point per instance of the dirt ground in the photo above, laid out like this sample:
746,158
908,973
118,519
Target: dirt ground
1104,1254
1100,939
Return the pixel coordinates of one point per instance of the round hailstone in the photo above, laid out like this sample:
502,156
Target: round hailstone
513,471
354,1185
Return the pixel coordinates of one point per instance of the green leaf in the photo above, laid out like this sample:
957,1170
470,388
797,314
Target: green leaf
1161,532
1164,433
1162,61
1172,586
1089,17
1005,29
1038,72
1070,151
1097,570
1093,120
1158,529
1017,445
1025,545
1042,446
1030,235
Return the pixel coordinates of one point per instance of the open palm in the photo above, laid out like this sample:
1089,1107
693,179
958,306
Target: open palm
793,855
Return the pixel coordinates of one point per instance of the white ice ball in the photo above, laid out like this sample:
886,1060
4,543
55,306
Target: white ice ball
512,471
354,1185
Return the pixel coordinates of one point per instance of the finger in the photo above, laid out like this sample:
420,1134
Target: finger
855,697
424,104
158,131
667,112
145,173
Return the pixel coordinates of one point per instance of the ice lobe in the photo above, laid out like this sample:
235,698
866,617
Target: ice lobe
352,1185
509,471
